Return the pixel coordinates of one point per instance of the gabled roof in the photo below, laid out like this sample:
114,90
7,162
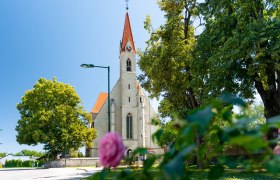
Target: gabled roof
127,34
99,103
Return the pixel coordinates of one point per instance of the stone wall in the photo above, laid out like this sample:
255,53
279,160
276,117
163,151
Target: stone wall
73,162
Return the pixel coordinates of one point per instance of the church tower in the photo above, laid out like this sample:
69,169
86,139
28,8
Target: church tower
131,111
128,83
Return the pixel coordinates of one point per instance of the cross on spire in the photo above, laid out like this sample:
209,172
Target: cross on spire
126,4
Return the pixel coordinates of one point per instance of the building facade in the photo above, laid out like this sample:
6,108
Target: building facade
131,111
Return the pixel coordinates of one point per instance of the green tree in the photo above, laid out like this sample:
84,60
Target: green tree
169,131
166,61
75,153
169,134
2,154
51,114
26,152
80,154
256,113
239,51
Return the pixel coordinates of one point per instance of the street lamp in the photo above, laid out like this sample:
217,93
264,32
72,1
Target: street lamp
107,67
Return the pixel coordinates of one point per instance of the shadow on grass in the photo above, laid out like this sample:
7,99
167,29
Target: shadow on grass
229,174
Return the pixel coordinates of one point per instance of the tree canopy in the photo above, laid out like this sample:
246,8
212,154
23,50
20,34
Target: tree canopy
27,152
51,114
166,61
239,50
2,154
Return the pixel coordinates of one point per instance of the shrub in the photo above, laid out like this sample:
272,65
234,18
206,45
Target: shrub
223,129
20,163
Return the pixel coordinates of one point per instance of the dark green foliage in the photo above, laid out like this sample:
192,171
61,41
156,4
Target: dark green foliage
20,163
236,131
216,172
239,50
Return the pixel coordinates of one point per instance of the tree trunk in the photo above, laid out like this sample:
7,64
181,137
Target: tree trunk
270,97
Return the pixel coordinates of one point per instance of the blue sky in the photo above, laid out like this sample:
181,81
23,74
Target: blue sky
47,38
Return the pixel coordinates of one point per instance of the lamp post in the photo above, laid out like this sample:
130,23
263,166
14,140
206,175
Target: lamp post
109,103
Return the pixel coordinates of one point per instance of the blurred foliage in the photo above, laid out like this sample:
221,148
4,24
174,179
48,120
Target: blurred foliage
2,154
51,114
75,153
256,113
234,131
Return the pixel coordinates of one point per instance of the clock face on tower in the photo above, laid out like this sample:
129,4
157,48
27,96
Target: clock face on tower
128,48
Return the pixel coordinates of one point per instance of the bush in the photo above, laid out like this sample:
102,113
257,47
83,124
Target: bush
20,163
205,135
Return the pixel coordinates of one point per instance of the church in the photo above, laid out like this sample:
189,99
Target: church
130,110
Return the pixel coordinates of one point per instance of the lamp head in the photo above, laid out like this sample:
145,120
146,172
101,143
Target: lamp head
87,65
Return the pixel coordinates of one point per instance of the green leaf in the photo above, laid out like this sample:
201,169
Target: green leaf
156,136
175,169
231,99
125,174
148,163
272,165
202,117
230,161
140,151
216,172
250,142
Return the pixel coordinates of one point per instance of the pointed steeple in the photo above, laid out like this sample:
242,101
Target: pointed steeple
127,34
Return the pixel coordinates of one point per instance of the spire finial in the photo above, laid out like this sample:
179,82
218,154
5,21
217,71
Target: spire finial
126,4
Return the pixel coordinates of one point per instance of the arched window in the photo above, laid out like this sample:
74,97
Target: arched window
128,99
128,65
128,86
129,126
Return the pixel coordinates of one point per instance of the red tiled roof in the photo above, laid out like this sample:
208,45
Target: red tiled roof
127,34
99,102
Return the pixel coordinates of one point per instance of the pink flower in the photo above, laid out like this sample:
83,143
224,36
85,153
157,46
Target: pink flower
111,150
277,150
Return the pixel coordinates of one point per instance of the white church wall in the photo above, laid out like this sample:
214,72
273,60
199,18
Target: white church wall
101,125
101,121
116,94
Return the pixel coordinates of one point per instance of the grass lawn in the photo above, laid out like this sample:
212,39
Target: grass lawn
230,174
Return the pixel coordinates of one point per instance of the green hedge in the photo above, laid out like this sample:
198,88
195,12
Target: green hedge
20,163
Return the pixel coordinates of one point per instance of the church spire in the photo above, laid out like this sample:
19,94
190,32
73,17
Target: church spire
127,34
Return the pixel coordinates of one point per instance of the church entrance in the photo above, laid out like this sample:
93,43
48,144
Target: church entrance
129,153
